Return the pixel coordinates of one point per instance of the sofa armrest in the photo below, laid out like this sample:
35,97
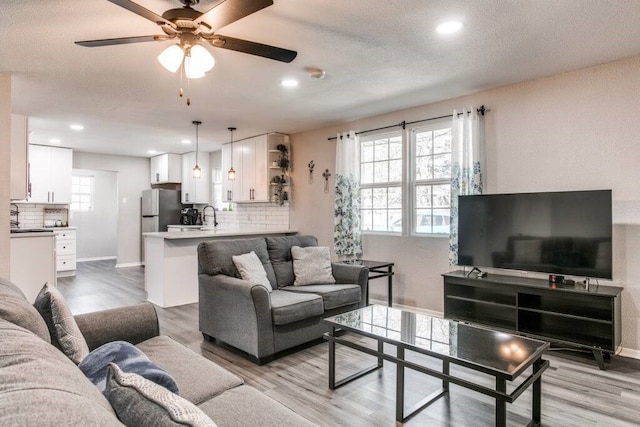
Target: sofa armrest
133,324
352,273
236,312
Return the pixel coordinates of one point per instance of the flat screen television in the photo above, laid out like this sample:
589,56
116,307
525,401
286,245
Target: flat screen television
565,233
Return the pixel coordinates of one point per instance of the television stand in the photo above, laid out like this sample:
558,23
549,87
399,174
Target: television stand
568,315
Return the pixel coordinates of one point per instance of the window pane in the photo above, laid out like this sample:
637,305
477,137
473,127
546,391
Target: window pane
395,220
382,150
367,219
423,196
442,195
442,141
395,170
423,143
366,173
381,172
379,198
367,151
380,220
423,168
366,198
395,148
395,197
442,166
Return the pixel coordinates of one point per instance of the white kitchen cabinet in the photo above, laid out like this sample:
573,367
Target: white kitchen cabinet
166,168
19,157
65,252
252,160
50,170
33,262
195,190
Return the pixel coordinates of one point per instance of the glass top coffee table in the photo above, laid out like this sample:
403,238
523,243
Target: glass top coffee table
501,355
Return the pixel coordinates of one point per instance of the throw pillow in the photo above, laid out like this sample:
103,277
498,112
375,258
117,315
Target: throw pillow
140,402
250,268
63,328
129,359
311,265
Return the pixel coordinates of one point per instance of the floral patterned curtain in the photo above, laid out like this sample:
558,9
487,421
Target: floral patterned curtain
347,238
467,165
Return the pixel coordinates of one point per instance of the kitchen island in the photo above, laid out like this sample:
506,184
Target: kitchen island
171,261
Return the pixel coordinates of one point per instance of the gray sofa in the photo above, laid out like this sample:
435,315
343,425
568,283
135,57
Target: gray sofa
40,386
260,323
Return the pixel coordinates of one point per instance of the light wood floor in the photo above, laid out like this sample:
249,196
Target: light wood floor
575,391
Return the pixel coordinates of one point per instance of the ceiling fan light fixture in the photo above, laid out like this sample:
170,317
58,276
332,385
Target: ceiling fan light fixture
171,58
197,62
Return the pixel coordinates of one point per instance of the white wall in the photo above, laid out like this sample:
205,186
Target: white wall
133,177
573,131
5,170
97,234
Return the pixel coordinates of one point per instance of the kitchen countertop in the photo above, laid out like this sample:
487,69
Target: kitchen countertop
199,234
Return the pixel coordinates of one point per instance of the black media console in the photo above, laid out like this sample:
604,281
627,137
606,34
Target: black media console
568,315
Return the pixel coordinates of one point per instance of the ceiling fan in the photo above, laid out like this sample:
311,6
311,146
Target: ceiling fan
191,27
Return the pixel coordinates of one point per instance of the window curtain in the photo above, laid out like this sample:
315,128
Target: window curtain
347,238
467,165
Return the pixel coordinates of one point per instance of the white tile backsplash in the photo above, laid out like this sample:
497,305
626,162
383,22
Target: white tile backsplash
255,215
33,216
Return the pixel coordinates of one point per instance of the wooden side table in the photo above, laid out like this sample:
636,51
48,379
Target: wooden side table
378,269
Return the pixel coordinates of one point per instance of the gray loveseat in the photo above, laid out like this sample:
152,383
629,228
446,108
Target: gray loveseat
40,386
260,323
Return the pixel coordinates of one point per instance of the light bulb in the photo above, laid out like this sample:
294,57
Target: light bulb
197,62
197,172
171,58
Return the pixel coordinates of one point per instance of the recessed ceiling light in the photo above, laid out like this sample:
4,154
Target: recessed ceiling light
449,27
55,141
289,83
152,152
186,141
76,127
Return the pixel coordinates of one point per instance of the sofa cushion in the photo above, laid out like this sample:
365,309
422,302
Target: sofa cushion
247,407
129,359
333,295
198,378
289,307
215,257
40,386
280,254
15,308
138,401
63,328
311,265
251,269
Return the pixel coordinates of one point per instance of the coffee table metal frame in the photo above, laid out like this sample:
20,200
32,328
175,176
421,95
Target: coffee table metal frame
500,393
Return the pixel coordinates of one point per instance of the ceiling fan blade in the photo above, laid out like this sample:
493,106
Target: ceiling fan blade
253,48
122,40
230,11
145,13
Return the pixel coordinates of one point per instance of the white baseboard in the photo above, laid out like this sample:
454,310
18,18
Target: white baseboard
625,352
629,352
129,264
100,258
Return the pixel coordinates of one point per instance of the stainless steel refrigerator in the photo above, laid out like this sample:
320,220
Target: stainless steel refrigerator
159,208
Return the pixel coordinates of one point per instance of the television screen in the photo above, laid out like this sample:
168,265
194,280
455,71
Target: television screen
567,233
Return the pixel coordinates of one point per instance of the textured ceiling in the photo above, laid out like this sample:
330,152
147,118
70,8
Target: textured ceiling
379,56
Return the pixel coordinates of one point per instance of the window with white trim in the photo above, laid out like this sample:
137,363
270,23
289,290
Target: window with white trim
381,182
431,179
427,208
82,193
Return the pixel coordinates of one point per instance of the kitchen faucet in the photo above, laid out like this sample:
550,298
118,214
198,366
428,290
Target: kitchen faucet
204,215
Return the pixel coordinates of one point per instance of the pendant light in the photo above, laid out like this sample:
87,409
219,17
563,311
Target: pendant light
231,175
197,171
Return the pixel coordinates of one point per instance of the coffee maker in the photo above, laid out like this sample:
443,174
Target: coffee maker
188,216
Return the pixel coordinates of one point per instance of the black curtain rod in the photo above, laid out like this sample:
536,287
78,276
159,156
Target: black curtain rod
404,124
